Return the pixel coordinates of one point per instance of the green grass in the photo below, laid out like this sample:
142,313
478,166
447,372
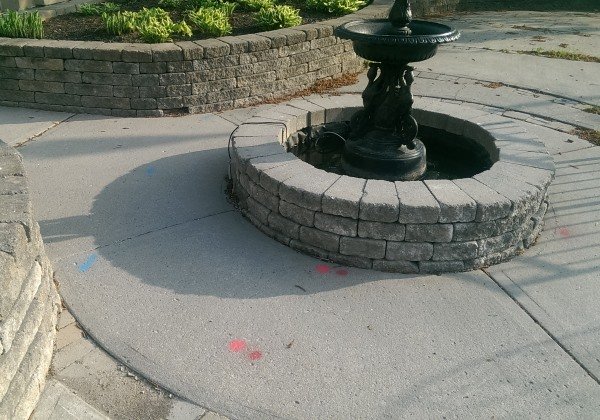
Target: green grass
594,109
565,55
593,136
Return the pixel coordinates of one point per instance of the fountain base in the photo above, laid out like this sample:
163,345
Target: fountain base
378,156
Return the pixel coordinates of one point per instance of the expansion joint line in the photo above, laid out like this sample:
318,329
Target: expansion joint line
546,330
35,136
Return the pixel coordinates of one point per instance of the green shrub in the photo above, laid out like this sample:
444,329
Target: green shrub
21,25
153,32
335,7
256,5
277,17
211,21
97,9
154,25
119,23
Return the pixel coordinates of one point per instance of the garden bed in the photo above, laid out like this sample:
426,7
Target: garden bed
80,27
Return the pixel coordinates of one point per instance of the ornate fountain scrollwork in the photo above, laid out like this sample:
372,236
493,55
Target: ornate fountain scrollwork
388,101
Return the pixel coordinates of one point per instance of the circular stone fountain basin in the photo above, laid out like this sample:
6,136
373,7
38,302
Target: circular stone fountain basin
426,226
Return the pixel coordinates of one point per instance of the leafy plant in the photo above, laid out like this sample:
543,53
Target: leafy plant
153,32
211,21
256,5
97,9
119,23
335,7
277,17
21,25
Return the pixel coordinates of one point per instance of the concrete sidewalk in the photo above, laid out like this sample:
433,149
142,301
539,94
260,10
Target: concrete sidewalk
161,270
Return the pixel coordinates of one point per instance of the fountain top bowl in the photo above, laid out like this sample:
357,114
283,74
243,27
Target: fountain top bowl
379,40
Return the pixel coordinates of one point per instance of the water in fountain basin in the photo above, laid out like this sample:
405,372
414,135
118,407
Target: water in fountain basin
449,156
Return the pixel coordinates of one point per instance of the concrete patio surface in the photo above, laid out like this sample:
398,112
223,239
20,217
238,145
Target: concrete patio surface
162,271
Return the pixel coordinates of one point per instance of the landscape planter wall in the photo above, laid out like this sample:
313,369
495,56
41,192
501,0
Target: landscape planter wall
409,227
29,302
138,80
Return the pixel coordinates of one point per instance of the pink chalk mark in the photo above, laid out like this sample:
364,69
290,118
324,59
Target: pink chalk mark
322,268
564,232
341,272
237,345
255,355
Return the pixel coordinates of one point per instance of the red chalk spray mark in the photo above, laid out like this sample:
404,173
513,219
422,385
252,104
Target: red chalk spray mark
255,355
341,272
237,345
564,232
322,268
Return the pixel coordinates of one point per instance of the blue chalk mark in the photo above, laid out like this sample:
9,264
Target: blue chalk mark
150,170
88,263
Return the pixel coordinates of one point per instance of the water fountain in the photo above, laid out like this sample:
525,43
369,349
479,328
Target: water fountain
346,179
383,143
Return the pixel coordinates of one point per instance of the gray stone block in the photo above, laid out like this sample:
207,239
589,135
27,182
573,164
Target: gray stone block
309,250
336,224
88,89
88,66
152,91
490,204
369,248
497,244
166,52
284,226
408,251
440,232
258,210
144,80
320,239
540,160
351,260
137,53
306,188
455,205
398,266
107,79
57,99
255,166
271,178
190,50
441,266
524,197
153,68
379,202
296,213
455,251
416,203
263,196
343,197
379,230
58,76
41,63
482,230
539,178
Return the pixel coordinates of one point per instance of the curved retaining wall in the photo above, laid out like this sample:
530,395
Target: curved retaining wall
409,227
153,79
29,303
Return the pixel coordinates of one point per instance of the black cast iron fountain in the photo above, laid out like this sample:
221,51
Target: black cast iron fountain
383,142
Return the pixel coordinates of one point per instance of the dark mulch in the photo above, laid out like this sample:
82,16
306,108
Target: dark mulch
78,27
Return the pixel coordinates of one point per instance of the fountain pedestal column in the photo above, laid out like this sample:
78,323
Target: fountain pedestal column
383,142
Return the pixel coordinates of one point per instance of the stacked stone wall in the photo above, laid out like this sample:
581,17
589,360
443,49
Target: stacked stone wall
29,301
410,227
139,80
